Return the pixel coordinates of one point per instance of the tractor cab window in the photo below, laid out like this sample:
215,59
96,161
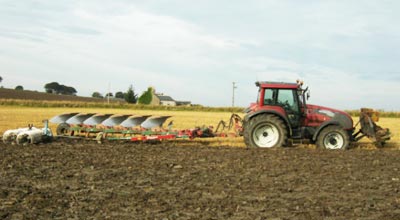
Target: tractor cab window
287,99
269,96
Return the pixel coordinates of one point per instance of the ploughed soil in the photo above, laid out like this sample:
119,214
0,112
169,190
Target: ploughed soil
84,180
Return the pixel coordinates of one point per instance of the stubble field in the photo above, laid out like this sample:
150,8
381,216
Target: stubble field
201,179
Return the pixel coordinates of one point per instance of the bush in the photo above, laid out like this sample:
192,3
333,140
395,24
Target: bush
146,97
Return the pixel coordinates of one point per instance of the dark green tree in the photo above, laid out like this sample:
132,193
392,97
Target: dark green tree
55,87
52,87
120,95
146,97
19,88
130,96
67,90
1,79
97,95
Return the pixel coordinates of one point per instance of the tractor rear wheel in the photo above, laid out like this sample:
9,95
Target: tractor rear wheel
333,138
265,131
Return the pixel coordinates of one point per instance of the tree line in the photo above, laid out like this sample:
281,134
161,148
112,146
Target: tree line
129,96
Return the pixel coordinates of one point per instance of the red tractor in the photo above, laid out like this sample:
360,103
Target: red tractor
281,113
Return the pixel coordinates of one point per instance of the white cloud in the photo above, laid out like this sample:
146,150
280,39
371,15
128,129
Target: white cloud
195,51
118,44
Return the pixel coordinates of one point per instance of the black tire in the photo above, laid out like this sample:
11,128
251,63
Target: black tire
270,128
333,138
63,129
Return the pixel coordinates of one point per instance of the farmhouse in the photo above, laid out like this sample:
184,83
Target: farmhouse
166,100
161,99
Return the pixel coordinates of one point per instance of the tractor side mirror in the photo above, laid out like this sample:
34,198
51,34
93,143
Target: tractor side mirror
308,95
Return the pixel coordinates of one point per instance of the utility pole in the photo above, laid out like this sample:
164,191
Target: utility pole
233,93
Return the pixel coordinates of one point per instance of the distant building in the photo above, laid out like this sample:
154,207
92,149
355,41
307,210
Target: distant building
183,103
165,100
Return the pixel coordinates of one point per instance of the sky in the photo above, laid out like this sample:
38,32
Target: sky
346,51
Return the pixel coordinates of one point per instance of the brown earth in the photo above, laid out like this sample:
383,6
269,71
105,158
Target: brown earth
33,95
81,180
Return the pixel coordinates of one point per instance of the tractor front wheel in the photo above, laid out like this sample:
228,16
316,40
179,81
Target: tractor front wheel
333,138
265,131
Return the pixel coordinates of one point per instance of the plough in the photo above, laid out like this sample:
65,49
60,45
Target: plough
112,127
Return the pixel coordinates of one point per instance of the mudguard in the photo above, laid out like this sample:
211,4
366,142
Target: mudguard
339,120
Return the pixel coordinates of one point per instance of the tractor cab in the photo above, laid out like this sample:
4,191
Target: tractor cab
286,99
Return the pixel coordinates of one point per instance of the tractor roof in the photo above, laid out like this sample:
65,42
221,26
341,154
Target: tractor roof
277,85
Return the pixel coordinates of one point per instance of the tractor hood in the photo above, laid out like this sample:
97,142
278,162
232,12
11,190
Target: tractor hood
319,115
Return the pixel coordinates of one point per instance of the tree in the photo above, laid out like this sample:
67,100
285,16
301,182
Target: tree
97,95
67,90
109,94
52,87
1,79
120,95
55,87
130,96
19,88
146,97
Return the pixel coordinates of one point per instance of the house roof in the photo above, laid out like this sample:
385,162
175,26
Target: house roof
165,98
183,102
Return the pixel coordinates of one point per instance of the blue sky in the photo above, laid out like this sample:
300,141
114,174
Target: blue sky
346,51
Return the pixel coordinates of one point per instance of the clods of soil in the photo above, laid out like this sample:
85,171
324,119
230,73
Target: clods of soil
85,180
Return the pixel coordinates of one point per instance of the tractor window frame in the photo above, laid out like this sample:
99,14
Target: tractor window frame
271,97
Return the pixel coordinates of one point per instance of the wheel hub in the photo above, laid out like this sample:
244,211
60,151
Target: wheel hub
334,141
266,135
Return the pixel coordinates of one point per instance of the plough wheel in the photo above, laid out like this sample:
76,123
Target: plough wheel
63,129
